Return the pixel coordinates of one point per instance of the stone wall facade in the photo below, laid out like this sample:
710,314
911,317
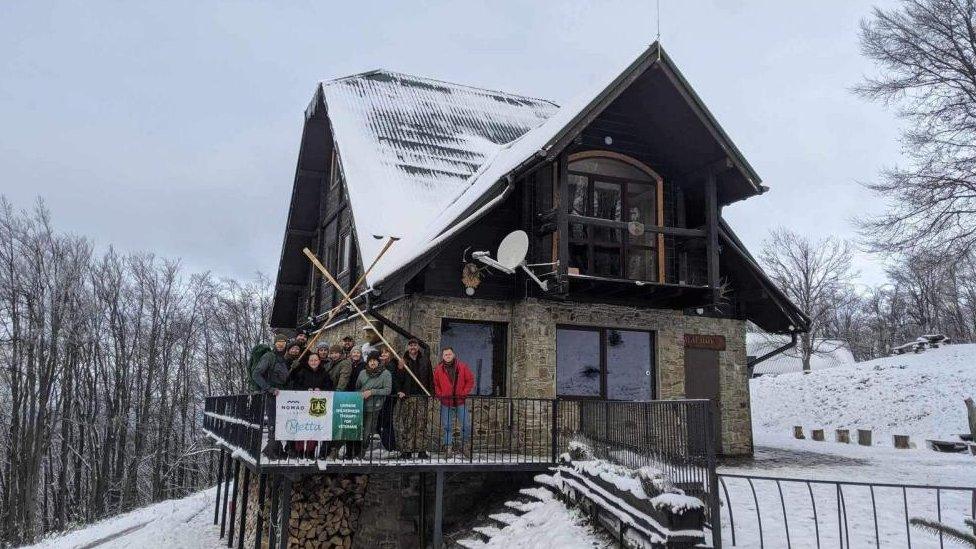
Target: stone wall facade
532,346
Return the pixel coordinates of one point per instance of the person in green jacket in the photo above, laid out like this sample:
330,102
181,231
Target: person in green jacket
339,367
375,383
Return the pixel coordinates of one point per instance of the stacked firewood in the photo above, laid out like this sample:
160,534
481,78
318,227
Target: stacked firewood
325,511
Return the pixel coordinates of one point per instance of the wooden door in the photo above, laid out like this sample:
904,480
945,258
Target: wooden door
702,381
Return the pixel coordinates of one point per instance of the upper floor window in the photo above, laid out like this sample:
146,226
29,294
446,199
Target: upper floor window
607,186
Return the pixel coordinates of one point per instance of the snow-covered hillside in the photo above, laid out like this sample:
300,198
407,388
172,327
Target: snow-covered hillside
918,394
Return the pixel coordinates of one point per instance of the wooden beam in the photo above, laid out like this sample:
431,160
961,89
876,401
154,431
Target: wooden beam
561,237
673,231
711,238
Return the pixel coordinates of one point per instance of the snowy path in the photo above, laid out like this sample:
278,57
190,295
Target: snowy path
179,523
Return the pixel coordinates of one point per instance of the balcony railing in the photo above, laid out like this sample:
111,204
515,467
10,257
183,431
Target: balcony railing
505,434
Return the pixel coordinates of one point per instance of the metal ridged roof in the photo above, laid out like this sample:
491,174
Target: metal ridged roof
407,144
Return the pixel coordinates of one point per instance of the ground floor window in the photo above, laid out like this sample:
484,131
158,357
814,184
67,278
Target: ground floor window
483,347
605,363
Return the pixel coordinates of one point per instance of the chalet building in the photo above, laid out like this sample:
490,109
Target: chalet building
645,290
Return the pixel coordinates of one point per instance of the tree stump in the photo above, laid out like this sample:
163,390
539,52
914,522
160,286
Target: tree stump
901,442
798,432
843,436
817,435
864,437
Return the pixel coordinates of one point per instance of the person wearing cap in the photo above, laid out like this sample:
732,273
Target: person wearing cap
347,344
271,375
339,367
373,342
411,413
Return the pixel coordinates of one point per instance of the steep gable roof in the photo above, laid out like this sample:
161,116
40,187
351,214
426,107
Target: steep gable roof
408,146
420,156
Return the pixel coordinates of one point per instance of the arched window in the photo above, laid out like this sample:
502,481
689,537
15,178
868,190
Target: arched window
614,187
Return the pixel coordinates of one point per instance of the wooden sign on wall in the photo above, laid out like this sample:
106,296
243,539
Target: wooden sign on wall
705,341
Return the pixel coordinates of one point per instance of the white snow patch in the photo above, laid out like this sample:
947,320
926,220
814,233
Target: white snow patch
919,395
184,523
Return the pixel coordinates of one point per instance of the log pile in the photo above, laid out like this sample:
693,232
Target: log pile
325,511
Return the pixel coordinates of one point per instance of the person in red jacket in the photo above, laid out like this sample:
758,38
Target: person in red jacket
453,382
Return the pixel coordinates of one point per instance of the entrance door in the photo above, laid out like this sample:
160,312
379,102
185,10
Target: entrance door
702,381
482,346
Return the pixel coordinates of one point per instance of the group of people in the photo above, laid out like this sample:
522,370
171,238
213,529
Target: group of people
389,388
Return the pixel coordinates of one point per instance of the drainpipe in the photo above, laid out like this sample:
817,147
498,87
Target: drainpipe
781,349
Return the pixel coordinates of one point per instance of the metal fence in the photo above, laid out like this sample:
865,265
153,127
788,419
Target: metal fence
495,433
784,512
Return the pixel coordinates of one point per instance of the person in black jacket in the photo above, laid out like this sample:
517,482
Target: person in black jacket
411,414
310,376
385,424
358,365
271,375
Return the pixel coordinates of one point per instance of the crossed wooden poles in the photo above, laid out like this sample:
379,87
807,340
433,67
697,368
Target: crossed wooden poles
347,299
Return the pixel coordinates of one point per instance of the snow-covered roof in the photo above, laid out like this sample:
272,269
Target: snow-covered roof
409,146
419,155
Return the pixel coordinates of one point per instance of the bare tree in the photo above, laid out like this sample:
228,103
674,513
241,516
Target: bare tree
104,361
813,274
925,51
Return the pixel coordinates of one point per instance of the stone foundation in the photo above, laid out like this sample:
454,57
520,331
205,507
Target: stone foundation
532,345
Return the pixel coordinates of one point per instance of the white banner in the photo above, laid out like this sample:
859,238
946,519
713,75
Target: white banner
318,415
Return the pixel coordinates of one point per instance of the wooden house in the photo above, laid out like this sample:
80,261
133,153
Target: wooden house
647,290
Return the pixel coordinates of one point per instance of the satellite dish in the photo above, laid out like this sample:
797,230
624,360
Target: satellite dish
513,249
511,256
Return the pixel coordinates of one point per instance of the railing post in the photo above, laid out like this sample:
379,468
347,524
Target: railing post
714,508
438,537
233,504
220,480
246,495
223,516
555,429
259,512
285,518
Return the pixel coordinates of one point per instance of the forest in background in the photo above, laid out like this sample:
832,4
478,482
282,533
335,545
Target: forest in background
104,362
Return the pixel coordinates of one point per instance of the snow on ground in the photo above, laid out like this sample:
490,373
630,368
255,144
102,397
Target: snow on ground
784,457
177,523
918,395
548,524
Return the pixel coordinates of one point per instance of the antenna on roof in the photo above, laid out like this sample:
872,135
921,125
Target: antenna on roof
658,39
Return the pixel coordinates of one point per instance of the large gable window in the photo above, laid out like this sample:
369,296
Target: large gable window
615,188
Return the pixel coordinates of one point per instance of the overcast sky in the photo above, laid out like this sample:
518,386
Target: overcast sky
174,127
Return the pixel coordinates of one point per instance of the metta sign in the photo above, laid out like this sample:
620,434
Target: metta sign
319,415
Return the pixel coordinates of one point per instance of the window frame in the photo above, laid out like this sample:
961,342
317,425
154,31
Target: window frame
499,352
590,241
343,252
603,330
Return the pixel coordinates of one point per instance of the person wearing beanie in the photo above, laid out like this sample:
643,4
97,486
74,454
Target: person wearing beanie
322,349
271,375
375,383
358,365
339,367
411,413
